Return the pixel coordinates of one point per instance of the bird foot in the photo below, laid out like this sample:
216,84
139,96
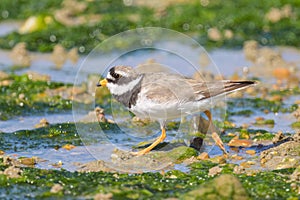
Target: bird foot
139,153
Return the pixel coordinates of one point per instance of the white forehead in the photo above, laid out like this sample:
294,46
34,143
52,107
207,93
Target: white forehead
122,73
110,77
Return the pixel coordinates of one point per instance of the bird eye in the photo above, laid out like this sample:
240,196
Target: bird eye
116,76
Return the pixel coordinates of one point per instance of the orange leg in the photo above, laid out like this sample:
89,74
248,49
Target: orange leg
160,139
215,136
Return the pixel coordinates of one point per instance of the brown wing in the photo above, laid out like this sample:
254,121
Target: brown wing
205,90
164,88
159,93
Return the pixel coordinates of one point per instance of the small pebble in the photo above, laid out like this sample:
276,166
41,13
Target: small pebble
238,170
251,152
245,164
236,157
43,123
59,56
281,73
231,134
221,160
3,75
235,142
214,34
250,162
102,196
276,98
173,176
27,161
263,161
114,156
73,55
214,171
218,159
34,76
56,188
20,55
13,172
278,137
116,175
58,164
6,82
68,147
203,156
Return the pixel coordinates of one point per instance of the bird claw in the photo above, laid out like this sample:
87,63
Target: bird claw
138,153
219,142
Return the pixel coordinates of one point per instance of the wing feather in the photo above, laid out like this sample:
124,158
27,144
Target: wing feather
165,88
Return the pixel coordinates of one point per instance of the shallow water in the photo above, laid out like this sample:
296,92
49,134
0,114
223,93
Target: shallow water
7,27
29,122
70,159
227,62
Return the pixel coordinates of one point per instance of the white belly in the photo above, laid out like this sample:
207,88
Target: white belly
167,111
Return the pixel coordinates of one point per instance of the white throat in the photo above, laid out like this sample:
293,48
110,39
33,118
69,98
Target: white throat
116,89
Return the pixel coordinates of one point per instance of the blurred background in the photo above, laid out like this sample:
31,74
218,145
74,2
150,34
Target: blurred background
85,23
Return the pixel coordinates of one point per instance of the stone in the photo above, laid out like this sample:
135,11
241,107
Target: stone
225,186
214,171
235,142
251,152
214,34
203,156
68,147
56,188
3,75
102,196
43,123
59,56
28,161
20,56
285,155
13,172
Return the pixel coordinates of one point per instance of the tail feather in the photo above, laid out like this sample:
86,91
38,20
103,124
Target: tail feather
237,85
213,89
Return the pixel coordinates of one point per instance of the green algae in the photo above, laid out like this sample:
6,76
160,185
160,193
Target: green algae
54,136
258,134
245,22
285,92
254,104
17,9
174,183
265,122
20,98
269,185
264,136
173,125
295,124
179,154
248,106
223,187
245,113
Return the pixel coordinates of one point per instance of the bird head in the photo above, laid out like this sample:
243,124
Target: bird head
121,79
